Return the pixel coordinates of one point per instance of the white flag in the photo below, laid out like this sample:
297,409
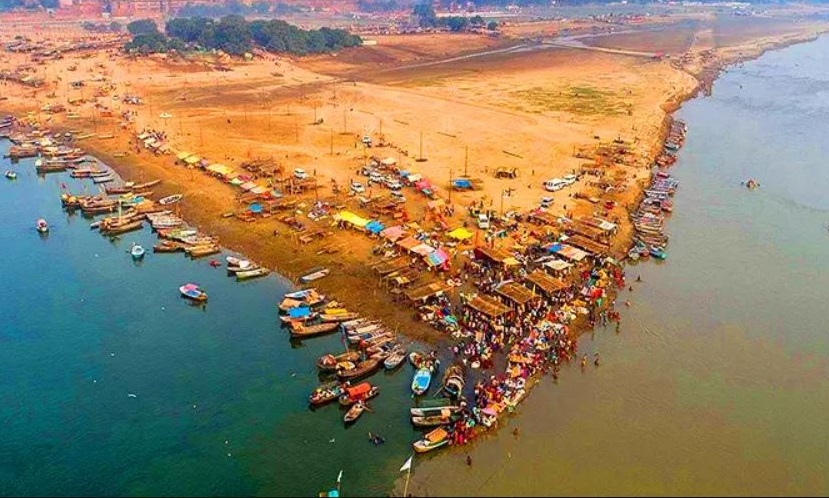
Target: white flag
408,465
340,477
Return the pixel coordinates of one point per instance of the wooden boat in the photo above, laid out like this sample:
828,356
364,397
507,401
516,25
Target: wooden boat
300,330
11,175
421,381
453,381
326,393
433,440
200,251
394,360
354,413
168,246
435,420
329,362
170,199
371,337
328,316
361,369
316,275
127,227
192,291
361,392
307,297
234,270
431,407
101,179
255,273
41,226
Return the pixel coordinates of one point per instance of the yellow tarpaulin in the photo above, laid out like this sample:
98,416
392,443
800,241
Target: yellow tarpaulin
183,155
354,219
460,234
511,262
192,159
220,169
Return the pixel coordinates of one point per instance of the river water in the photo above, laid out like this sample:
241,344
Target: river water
220,405
718,380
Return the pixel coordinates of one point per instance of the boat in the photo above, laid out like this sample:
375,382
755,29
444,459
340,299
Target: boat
42,226
11,175
170,199
329,362
421,380
334,316
298,314
168,246
326,393
354,412
316,275
137,251
394,360
102,179
435,420
257,272
300,330
453,381
359,393
433,440
361,369
193,291
309,297
431,407
244,266
202,251
122,228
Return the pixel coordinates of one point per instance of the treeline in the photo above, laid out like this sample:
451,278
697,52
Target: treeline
112,27
427,18
6,5
236,7
378,5
235,36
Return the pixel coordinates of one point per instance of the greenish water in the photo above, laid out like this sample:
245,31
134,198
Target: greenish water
221,394
718,382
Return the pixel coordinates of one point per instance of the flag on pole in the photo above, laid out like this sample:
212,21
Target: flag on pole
408,465
340,477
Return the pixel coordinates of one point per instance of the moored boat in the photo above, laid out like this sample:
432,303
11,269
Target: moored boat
137,252
193,291
11,175
329,362
315,275
361,369
435,420
255,273
170,199
326,393
433,440
394,360
359,393
453,381
421,380
354,412
300,330
42,226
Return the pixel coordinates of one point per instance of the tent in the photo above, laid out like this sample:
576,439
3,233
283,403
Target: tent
353,219
389,161
462,183
192,159
255,208
437,258
374,227
181,156
423,249
460,233
408,243
393,233
247,186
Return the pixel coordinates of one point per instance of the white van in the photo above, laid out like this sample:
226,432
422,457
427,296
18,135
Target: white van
483,221
555,184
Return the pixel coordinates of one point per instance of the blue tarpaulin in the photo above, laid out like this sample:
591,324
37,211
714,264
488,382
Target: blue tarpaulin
299,312
255,208
462,183
553,247
374,226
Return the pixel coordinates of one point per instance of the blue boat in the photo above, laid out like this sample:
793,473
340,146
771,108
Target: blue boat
422,379
658,253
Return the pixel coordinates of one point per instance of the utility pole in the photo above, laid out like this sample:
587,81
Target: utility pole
450,185
465,160
381,127
502,202
296,130
331,130
315,113
345,121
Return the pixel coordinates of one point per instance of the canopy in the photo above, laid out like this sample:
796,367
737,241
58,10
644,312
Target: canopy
389,161
353,219
408,243
192,159
299,312
374,227
557,265
572,253
460,233
220,169
437,258
462,183
358,390
423,249
255,208
258,190
181,156
247,186
393,233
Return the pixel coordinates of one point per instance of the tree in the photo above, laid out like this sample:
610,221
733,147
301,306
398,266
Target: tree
142,26
50,4
426,15
115,27
457,24
477,21
492,25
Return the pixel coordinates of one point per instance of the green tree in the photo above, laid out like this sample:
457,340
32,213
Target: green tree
232,35
492,25
425,14
457,24
142,26
261,7
477,21
116,27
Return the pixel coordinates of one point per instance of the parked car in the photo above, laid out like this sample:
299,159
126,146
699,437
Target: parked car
394,184
483,221
300,174
398,197
570,179
357,188
546,202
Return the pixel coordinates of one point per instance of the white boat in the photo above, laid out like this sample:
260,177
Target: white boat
42,226
170,199
314,275
102,179
258,272
137,251
11,175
